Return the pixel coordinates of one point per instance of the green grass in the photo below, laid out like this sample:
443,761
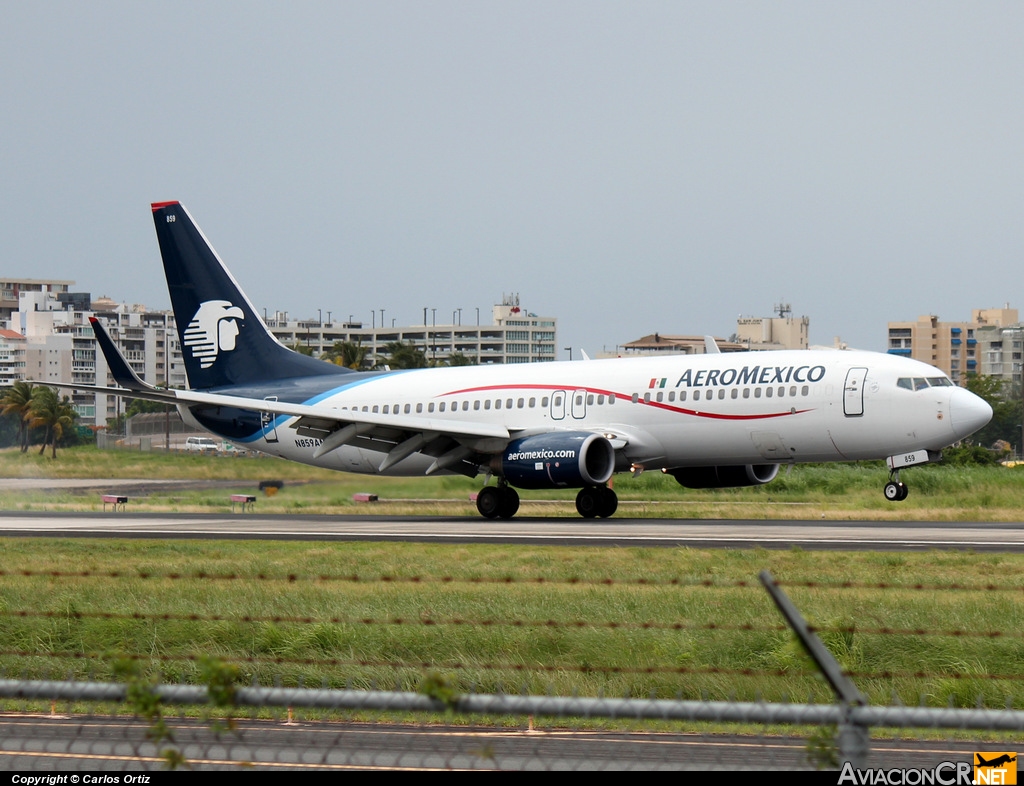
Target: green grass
594,621
829,491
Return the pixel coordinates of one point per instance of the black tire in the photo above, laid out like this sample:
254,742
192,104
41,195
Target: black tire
488,502
609,503
893,491
588,502
509,502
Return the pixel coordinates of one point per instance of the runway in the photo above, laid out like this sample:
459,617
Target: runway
666,533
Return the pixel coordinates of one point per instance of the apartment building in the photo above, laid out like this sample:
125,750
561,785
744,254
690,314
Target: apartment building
949,346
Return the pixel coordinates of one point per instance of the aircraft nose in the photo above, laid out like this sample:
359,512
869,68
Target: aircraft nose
967,412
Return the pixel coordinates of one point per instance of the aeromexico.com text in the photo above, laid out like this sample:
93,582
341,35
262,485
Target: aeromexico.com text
750,375
540,455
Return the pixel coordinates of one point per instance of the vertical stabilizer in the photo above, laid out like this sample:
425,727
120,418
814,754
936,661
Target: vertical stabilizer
223,341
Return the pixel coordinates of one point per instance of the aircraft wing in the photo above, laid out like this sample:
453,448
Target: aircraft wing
452,443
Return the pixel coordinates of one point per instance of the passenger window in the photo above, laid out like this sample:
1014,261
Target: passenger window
671,395
746,392
465,406
757,392
660,396
406,409
419,408
805,391
696,395
374,407
735,393
441,407
476,404
682,395
385,409
647,398
792,391
767,393
508,403
497,403
520,403
533,402
544,402
721,394
590,399
600,398
487,403
782,391
636,398
611,398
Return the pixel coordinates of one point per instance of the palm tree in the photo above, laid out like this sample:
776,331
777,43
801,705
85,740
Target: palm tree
17,401
403,355
53,413
348,354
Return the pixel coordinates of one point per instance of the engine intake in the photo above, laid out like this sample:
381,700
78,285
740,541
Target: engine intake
725,477
565,459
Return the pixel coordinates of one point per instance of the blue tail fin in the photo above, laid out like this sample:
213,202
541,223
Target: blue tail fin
223,341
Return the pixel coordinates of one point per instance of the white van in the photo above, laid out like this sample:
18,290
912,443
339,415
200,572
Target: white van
200,445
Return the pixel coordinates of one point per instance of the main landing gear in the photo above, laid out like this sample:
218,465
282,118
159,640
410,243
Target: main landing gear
502,502
596,502
895,489
497,502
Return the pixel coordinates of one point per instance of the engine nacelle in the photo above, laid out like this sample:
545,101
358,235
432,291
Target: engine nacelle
562,459
725,477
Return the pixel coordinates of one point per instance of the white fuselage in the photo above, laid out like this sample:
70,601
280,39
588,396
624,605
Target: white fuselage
676,411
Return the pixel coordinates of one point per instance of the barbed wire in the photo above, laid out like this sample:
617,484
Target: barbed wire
514,623
453,665
280,660
356,578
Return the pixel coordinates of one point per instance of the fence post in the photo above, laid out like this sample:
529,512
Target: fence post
852,738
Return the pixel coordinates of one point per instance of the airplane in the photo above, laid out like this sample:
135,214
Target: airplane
710,421
996,762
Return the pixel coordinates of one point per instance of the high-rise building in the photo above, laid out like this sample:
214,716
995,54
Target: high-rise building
949,346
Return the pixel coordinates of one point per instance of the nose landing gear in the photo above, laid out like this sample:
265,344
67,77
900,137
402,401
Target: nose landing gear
895,490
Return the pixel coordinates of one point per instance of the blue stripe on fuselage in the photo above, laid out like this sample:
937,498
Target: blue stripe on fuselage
240,428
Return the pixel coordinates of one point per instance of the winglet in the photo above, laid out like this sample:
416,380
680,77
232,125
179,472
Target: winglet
119,368
711,346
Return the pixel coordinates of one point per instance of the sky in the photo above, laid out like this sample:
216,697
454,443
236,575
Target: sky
628,167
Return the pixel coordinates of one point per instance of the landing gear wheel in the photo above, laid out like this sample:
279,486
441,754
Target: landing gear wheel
488,502
895,491
509,502
596,501
588,501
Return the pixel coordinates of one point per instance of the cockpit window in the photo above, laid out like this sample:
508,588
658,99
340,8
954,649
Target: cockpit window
920,383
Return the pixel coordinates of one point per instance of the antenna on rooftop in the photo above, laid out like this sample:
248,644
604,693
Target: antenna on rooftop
783,309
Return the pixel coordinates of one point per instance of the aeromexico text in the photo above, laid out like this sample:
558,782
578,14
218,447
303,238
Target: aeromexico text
750,375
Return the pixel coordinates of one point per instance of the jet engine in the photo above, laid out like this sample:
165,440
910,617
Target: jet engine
564,459
724,477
